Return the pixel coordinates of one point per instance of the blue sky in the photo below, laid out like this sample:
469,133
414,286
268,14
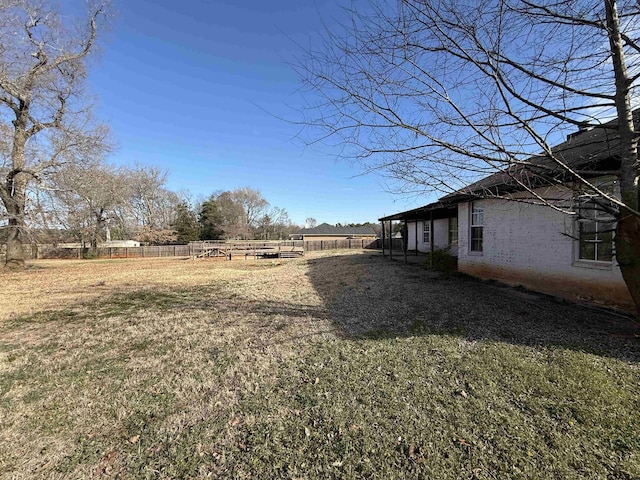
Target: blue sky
195,87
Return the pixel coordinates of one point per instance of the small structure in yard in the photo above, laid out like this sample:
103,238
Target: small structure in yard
214,248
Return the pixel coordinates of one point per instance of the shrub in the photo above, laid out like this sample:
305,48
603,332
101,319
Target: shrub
443,261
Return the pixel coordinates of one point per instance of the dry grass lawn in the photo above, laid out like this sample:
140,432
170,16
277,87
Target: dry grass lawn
338,365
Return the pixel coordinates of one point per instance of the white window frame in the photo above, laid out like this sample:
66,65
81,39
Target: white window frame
603,223
476,224
426,232
453,232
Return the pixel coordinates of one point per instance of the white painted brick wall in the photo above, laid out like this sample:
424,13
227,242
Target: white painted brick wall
440,235
525,244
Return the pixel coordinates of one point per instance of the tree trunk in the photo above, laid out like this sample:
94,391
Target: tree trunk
15,205
14,193
628,255
15,252
628,228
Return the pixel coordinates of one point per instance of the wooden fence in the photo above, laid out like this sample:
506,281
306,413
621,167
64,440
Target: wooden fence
354,243
396,243
46,251
49,251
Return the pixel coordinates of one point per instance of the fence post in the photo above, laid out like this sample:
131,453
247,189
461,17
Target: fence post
174,250
110,248
126,252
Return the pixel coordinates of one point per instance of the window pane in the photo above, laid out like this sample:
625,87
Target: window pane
477,215
587,251
476,239
605,231
453,231
605,251
426,232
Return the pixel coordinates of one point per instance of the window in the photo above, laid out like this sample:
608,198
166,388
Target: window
426,232
595,226
453,231
477,226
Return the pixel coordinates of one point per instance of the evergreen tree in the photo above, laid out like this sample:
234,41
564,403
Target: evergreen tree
210,220
186,224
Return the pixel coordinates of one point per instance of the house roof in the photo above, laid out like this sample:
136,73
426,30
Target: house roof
436,209
586,151
326,229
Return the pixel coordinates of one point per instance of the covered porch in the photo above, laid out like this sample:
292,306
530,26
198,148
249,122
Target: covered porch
423,229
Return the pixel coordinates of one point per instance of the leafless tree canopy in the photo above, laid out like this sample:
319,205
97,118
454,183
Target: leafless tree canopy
438,93
45,119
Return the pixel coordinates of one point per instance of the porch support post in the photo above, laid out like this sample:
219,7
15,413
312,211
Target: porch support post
416,237
382,223
390,239
405,240
431,236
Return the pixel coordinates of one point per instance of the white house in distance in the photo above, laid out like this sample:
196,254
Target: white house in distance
520,243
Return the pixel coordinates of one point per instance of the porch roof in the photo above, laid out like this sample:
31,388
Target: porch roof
437,209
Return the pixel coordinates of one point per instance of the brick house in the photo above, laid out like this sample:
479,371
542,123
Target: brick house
324,231
515,241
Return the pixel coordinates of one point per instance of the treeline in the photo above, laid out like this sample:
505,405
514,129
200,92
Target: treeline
241,214
101,202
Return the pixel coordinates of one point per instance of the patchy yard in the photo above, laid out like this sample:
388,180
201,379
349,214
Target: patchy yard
337,365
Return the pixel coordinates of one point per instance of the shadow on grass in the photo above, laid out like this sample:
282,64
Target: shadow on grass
366,296
390,299
270,321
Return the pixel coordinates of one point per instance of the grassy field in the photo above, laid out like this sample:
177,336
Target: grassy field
338,365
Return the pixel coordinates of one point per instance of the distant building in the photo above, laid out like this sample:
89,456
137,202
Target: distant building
111,243
325,231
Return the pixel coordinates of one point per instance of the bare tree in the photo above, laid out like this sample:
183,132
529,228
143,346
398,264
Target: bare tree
152,206
274,224
91,201
253,205
438,93
310,222
43,118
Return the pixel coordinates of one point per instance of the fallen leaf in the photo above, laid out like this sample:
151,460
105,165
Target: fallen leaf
109,456
134,439
307,432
